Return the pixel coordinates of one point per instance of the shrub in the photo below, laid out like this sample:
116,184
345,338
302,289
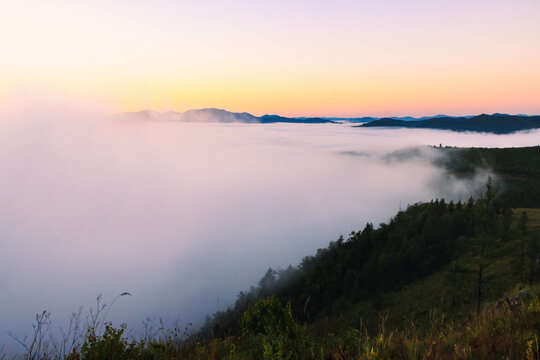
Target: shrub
267,317
112,345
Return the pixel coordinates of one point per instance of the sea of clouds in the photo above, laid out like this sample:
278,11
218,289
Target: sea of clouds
185,215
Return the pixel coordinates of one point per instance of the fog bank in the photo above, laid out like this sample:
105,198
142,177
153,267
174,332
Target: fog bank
185,215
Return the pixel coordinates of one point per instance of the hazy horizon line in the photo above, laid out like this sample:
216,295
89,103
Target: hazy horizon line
324,116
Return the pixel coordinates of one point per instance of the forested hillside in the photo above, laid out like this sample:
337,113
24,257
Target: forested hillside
517,168
373,262
445,257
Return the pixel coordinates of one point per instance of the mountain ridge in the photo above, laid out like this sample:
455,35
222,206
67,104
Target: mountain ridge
248,118
208,115
495,123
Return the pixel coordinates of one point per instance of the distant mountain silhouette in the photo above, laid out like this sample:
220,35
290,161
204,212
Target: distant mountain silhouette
352,120
496,123
265,119
211,115
405,118
216,115
197,115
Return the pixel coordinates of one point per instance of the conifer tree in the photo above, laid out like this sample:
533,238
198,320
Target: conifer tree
523,220
533,250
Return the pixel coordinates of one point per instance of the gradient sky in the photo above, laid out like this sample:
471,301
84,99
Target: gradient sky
341,58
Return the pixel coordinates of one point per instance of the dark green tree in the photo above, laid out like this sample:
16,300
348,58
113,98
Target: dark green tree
533,250
522,226
486,227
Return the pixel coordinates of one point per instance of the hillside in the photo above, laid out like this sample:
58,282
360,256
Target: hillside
496,123
467,307
422,243
517,169
374,262
432,262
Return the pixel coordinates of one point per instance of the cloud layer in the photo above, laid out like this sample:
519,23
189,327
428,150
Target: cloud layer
182,215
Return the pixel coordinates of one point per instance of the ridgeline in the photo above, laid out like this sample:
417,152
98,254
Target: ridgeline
496,123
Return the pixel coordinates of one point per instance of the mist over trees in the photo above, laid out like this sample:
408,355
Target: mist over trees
416,242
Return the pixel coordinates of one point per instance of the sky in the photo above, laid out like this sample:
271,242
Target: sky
294,58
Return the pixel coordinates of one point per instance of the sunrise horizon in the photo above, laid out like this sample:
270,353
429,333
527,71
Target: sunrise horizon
344,59
330,116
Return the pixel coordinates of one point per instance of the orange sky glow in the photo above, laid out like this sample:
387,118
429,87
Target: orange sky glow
311,58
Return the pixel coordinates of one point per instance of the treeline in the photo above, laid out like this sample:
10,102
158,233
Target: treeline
414,244
496,123
518,168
